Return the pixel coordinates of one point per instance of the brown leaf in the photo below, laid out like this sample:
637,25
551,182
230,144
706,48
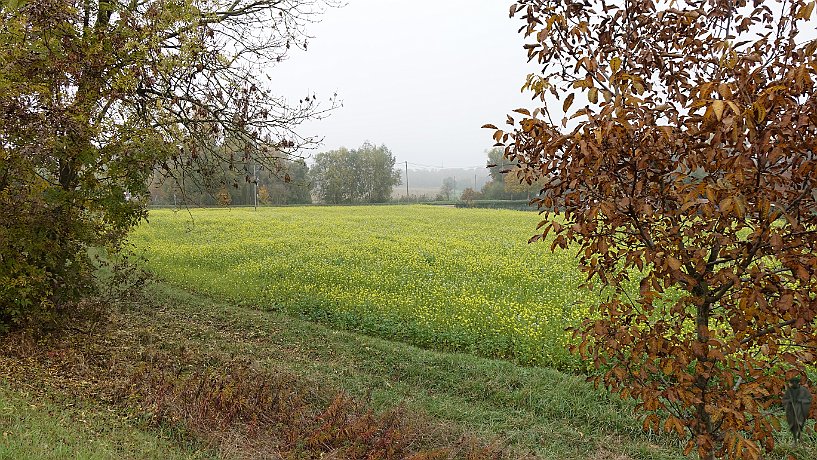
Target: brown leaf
568,102
615,64
717,108
673,263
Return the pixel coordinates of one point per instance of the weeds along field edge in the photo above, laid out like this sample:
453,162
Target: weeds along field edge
443,278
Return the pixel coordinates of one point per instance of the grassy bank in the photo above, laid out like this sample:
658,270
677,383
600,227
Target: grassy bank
450,403
454,405
531,410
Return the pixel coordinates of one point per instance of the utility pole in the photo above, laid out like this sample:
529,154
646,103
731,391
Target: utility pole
407,189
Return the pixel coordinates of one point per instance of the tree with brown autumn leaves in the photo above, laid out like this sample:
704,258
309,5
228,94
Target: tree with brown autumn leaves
686,162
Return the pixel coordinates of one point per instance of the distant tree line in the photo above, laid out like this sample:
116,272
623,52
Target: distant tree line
504,184
362,175
286,183
342,176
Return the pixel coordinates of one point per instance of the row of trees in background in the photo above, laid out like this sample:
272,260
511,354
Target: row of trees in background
363,175
237,186
504,183
342,176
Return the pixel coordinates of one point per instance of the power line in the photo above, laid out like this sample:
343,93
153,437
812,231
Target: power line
443,167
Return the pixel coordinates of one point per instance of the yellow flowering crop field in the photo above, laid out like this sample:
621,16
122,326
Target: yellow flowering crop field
444,278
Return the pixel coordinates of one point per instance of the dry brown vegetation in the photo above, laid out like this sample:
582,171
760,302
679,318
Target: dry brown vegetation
225,403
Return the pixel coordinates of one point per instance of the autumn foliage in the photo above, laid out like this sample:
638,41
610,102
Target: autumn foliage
98,96
684,164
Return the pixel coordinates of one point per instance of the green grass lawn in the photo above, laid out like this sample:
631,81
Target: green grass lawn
33,427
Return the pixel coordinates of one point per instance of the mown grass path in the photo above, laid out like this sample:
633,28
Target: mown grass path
532,411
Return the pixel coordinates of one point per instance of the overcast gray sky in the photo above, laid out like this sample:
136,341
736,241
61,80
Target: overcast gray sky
420,76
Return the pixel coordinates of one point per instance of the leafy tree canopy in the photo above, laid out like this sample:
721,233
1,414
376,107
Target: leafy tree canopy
95,94
363,175
685,163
